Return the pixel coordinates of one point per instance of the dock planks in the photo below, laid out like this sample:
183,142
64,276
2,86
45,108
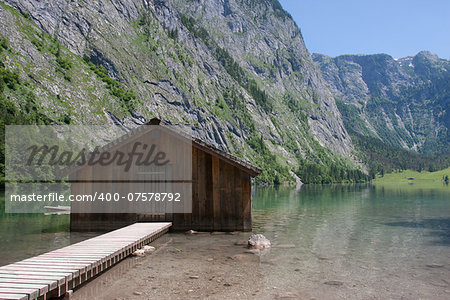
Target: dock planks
53,273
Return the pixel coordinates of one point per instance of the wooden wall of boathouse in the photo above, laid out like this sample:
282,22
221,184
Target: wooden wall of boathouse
221,199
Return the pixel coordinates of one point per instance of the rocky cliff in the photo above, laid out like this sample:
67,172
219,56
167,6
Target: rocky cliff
402,101
236,73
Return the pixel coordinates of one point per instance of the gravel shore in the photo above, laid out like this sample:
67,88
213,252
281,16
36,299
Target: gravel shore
197,266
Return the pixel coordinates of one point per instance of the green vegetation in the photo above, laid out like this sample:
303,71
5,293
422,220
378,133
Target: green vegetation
28,112
311,172
278,9
231,66
414,176
38,44
351,117
383,158
234,100
320,166
413,113
8,79
127,97
272,171
274,4
4,45
150,27
43,44
238,73
297,107
63,64
10,114
173,33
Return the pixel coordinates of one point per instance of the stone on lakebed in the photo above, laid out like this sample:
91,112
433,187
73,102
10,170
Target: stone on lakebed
258,241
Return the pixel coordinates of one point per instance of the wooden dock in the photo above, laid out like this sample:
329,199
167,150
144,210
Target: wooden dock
52,274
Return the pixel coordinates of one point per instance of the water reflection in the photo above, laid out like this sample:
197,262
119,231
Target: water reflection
360,237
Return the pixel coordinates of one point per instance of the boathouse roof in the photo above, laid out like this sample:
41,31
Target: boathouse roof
196,142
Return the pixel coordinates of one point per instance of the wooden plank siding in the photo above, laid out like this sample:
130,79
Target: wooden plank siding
221,190
207,193
221,195
216,192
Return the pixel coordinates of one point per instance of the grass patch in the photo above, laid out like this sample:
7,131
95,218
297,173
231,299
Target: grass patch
423,177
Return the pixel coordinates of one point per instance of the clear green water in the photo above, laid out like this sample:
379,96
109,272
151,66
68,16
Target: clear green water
329,242
27,235
372,242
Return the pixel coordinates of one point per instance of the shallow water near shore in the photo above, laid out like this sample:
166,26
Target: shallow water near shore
26,235
382,241
329,242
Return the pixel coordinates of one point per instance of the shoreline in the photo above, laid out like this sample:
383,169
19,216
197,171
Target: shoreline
183,266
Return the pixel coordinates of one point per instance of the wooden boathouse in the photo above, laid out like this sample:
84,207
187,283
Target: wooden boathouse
221,185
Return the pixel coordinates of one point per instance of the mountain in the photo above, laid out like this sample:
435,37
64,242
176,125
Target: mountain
403,102
236,73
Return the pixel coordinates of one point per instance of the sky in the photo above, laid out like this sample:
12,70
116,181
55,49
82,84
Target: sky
397,27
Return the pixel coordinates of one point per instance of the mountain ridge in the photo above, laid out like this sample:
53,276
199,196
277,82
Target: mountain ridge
235,74
125,62
411,94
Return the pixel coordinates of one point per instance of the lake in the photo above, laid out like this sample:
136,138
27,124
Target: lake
387,241
329,242
27,235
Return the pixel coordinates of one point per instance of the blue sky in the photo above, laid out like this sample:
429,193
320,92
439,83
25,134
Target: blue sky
396,27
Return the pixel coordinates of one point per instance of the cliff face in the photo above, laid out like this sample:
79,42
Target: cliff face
266,42
230,71
405,102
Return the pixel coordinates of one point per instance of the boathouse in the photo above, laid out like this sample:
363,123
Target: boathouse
219,185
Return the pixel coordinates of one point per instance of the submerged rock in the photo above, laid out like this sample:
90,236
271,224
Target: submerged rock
149,248
258,241
143,250
139,252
